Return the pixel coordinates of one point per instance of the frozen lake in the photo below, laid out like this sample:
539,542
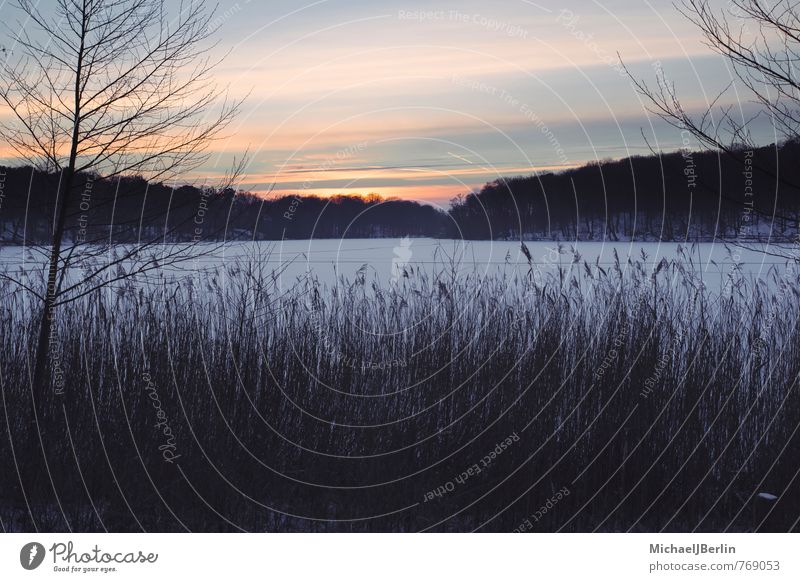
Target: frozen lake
386,260
382,257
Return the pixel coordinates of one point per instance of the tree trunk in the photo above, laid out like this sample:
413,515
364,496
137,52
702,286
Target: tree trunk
41,378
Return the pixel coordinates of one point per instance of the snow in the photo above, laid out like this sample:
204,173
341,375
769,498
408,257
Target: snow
383,260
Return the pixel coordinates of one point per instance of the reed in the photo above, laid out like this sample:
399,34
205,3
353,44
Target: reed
226,401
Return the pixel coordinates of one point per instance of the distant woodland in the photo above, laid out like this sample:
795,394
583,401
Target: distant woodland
686,196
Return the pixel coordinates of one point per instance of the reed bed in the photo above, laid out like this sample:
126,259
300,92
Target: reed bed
228,401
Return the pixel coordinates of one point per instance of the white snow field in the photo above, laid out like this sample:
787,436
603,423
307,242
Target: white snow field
386,261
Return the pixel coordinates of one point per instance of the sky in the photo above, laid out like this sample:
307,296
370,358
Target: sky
426,100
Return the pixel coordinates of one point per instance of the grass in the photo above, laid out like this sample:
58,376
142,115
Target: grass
229,402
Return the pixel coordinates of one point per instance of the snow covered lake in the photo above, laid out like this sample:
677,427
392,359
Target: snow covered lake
387,260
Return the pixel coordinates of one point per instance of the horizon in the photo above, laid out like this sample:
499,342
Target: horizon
420,104
352,267
444,206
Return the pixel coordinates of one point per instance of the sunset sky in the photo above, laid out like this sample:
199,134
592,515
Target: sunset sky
427,100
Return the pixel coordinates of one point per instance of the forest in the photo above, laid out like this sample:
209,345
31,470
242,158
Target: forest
679,196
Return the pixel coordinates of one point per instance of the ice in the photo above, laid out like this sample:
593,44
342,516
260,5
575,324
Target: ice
385,260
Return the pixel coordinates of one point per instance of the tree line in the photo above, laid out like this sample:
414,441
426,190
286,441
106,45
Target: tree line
131,209
750,194
685,195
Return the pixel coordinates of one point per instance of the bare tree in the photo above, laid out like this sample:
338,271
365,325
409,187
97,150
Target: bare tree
761,40
113,88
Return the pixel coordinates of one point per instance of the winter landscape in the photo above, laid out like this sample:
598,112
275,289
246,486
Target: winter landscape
373,385
206,329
